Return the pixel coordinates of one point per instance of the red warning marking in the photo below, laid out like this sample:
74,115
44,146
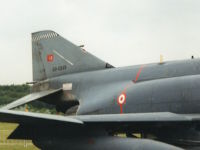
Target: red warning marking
138,73
127,86
122,97
121,101
121,109
50,58
136,79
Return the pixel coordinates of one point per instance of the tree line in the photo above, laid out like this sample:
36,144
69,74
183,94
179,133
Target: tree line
10,93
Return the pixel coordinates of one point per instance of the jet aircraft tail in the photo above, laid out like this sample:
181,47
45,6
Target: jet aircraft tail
52,56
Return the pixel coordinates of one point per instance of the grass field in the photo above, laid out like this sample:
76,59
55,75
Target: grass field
5,130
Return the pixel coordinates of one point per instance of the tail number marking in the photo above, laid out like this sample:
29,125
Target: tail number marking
59,68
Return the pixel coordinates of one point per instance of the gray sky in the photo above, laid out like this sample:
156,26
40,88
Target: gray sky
121,32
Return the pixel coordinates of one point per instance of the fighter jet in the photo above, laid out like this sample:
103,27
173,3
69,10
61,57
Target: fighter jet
158,101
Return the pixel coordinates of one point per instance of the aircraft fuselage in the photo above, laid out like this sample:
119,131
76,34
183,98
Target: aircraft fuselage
162,87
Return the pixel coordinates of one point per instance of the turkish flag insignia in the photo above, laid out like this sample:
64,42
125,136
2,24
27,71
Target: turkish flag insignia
50,58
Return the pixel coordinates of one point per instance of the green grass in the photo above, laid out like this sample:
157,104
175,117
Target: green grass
5,130
17,147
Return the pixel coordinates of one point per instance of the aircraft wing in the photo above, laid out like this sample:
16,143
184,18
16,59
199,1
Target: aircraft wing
21,117
140,121
112,120
29,98
40,125
137,117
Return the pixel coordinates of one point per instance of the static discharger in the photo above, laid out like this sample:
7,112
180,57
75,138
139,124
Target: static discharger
161,59
81,46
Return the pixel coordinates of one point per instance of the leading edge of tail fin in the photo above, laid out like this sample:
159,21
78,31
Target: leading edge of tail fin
52,56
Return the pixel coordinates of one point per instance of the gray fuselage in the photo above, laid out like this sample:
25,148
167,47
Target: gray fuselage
168,87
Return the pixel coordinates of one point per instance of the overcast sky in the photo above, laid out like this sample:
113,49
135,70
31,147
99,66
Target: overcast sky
121,32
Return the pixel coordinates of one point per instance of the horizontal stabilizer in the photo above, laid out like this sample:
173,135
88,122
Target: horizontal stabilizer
29,98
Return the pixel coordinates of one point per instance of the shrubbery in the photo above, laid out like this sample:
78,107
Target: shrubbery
10,93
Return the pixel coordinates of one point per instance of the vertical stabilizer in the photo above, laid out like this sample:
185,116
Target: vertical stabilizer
54,56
